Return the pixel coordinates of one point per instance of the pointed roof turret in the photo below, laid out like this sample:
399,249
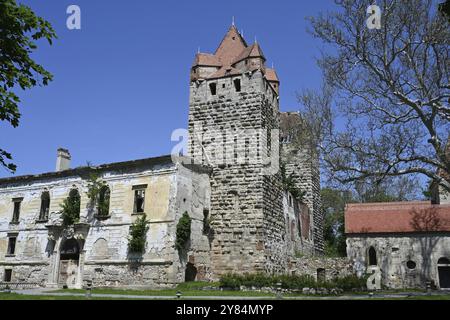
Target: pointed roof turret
231,46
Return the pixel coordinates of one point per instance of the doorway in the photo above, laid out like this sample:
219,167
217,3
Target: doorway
191,273
68,265
444,273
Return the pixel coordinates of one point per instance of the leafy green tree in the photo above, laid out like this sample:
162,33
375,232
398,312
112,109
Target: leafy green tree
20,28
333,206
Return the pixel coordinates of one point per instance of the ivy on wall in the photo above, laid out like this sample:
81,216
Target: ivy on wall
98,194
138,235
71,208
289,184
183,231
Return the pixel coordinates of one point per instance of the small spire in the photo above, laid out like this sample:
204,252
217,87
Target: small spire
272,65
232,21
198,50
256,40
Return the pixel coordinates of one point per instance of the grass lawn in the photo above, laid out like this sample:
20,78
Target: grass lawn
14,296
170,292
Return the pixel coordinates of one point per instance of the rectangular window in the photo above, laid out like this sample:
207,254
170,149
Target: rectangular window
139,199
8,275
16,212
11,245
213,88
237,85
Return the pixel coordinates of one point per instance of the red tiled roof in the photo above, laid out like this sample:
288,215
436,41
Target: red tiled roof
231,47
254,51
206,59
271,75
232,50
396,217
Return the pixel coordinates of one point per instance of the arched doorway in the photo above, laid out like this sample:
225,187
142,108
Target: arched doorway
69,262
444,273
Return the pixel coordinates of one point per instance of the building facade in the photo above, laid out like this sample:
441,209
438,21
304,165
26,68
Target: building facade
408,242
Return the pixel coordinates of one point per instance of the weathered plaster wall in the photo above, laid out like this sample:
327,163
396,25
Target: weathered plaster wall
170,191
393,253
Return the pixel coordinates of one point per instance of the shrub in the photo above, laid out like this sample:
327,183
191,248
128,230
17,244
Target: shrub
350,282
297,282
138,232
71,208
183,231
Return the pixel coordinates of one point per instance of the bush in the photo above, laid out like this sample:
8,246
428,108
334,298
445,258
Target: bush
296,282
71,209
350,282
183,231
138,232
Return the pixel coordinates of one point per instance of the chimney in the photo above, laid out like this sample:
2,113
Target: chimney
63,160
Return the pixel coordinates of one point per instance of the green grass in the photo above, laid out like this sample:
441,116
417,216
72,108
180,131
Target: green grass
192,289
170,292
14,296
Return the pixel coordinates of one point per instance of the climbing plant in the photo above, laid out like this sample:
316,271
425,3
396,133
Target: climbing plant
289,184
98,194
138,234
183,231
71,208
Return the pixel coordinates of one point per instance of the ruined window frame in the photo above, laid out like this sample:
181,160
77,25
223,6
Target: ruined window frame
104,201
6,278
45,206
12,245
139,189
17,207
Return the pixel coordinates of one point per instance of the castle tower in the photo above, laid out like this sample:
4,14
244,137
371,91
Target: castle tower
233,127
301,162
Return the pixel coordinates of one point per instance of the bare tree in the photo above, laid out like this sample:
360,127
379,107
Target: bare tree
384,111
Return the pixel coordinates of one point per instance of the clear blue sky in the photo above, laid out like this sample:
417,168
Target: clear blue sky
122,82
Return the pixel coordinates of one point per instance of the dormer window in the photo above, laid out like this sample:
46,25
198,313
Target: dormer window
213,88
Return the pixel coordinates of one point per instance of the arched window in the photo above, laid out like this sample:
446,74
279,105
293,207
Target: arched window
71,208
103,201
45,206
444,260
372,257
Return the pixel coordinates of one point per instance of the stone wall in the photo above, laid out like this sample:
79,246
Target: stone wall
246,204
393,252
303,164
333,267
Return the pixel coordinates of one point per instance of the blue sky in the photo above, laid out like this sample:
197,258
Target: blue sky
121,83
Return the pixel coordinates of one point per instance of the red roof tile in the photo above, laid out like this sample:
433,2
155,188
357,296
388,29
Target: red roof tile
271,75
396,217
231,47
206,60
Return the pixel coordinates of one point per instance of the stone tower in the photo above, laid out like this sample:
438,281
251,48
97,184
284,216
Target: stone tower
233,127
302,164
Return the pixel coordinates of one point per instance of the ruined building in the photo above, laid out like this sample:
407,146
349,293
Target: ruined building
243,217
